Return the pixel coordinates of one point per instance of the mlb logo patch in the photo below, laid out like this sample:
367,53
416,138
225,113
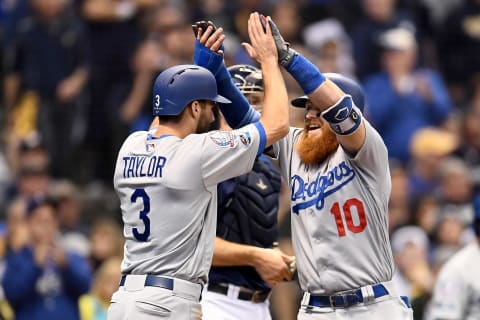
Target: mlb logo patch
150,147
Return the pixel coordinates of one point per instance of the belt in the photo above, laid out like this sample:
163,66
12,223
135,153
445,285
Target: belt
346,299
153,281
255,296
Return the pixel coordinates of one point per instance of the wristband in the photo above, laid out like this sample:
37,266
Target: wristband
206,58
305,73
343,117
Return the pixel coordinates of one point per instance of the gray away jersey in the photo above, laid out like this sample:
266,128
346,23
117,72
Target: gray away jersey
168,196
457,291
339,212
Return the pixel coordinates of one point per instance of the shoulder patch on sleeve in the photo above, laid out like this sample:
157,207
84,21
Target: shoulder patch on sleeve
223,139
244,137
230,139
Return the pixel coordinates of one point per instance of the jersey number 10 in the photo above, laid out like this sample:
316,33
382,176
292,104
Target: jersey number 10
336,210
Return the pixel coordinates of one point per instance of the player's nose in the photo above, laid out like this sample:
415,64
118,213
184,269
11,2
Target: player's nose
312,114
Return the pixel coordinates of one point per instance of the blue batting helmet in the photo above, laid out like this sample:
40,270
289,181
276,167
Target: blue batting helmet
247,78
178,86
347,85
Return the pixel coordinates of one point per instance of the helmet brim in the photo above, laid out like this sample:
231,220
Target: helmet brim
299,102
221,99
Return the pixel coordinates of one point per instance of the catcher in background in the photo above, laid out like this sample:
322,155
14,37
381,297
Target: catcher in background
339,178
245,263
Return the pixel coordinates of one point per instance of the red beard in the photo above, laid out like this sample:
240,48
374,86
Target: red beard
315,149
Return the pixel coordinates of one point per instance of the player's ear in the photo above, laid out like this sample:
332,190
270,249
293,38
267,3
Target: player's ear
195,108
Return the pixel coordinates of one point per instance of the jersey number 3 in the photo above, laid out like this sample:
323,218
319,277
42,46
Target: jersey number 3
347,213
140,193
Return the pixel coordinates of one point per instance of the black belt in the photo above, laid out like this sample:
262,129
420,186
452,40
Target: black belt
345,300
245,294
153,281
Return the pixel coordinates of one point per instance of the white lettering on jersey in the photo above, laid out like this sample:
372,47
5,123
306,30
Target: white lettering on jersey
315,192
137,166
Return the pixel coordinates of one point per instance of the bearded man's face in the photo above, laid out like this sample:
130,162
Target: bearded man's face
318,141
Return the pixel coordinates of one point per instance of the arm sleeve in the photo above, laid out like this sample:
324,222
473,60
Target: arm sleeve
20,277
239,112
227,154
76,275
441,105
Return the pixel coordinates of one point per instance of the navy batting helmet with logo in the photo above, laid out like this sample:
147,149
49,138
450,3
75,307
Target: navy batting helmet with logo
347,85
247,78
178,86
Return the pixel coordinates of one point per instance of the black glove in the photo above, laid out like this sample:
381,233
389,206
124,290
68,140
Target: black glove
285,53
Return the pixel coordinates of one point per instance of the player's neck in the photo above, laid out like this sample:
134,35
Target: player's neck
176,130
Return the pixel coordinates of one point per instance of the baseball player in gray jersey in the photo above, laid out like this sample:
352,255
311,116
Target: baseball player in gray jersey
457,291
339,179
166,179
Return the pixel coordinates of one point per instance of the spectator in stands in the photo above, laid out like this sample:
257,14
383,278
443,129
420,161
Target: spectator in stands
455,190
106,241
412,276
379,16
331,47
459,48
168,42
114,32
417,96
94,305
429,146
69,209
469,149
47,65
42,280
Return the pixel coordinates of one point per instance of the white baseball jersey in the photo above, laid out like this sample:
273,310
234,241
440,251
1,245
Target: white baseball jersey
167,188
457,291
339,215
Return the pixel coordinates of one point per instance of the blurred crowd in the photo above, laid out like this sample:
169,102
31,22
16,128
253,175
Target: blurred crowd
76,79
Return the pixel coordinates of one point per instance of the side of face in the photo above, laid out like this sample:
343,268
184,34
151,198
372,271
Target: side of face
43,224
206,116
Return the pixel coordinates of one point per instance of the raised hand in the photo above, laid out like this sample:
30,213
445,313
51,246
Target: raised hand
285,53
262,47
208,35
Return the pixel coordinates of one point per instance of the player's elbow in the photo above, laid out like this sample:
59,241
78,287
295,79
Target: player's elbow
276,131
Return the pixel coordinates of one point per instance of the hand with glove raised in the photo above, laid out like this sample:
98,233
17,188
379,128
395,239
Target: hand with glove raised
302,70
208,53
285,53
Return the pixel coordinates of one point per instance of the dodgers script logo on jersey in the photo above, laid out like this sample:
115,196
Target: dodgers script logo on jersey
315,192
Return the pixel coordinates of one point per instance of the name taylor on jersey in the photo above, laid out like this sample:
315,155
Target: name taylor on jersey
143,166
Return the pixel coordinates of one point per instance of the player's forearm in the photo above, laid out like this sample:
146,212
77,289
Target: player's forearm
275,107
229,254
239,112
